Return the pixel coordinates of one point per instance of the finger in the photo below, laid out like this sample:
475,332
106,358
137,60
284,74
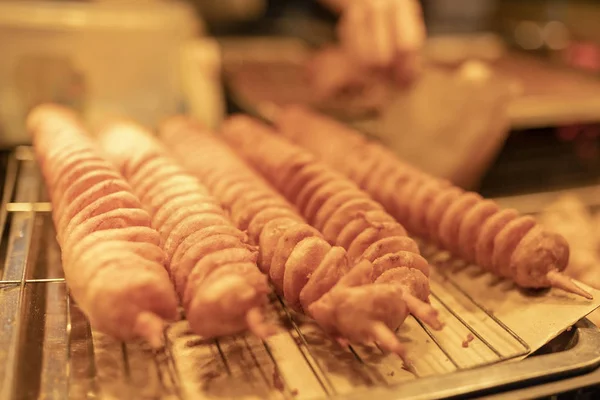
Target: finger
354,32
409,38
409,28
346,31
380,27
369,41
362,34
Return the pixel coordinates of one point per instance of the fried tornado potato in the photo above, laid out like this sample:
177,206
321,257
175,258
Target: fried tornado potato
333,208
197,237
500,241
302,265
111,259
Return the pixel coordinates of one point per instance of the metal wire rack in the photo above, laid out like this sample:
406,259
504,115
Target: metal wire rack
46,336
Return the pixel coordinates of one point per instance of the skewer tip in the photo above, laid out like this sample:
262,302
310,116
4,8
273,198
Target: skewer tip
423,311
150,327
343,342
257,325
386,339
560,281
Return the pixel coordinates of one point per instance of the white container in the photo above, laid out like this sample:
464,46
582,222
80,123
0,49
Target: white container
105,59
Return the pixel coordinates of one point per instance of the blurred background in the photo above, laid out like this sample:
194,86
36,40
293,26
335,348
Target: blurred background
508,102
523,118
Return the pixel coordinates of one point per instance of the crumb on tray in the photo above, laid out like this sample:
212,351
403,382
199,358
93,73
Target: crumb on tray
468,340
277,381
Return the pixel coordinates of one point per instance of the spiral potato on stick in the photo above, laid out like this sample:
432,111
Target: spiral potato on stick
501,241
113,265
312,275
335,206
210,262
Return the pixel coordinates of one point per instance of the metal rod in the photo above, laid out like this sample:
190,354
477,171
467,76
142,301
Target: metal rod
267,348
305,343
24,153
125,356
257,364
172,370
467,325
41,280
437,343
278,370
8,191
69,332
160,357
372,373
92,358
246,361
519,339
18,260
46,280
24,207
8,387
243,361
225,363
27,281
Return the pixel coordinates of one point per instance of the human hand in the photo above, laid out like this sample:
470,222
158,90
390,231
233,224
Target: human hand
384,34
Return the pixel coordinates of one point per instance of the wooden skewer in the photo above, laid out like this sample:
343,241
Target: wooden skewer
425,312
150,327
257,325
387,340
561,281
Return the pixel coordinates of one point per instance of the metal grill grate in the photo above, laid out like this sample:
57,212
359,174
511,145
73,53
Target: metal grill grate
41,323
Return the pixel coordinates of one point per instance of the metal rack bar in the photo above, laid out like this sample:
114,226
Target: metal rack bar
41,280
8,190
68,339
15,306
469,327
55,356
223,358
327,386
526,348
255,361
277,369
25,207
16,269
438,344
167,368
125,361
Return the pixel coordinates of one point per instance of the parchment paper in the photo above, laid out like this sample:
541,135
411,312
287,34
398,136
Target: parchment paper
536,316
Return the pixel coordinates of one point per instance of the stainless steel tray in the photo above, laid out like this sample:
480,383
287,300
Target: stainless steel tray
48,351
